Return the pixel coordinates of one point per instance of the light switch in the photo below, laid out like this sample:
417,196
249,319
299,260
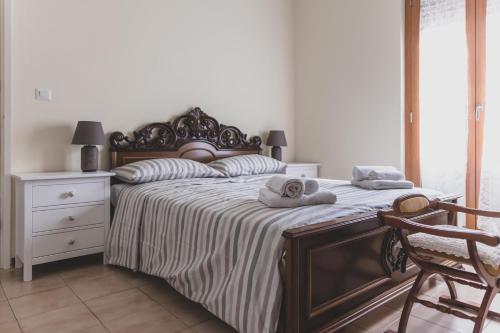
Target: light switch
43,94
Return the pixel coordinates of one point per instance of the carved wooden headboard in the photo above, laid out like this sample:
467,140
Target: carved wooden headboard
194,135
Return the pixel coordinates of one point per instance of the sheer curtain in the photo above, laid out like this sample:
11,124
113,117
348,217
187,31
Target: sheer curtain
443,95
489,194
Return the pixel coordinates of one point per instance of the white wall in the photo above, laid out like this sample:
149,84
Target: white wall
127,63
348,83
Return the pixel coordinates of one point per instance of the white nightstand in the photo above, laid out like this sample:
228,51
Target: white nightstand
308,170
60,215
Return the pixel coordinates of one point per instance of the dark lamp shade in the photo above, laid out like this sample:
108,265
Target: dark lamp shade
276,139
88,133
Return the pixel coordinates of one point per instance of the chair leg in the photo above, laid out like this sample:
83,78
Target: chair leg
405,316
451,288
489,295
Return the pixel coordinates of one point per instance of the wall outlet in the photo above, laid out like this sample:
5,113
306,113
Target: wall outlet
43,94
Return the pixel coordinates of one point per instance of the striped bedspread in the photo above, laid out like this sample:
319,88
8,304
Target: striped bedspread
217,245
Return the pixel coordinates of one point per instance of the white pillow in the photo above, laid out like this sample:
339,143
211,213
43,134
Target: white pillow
245,165
163,169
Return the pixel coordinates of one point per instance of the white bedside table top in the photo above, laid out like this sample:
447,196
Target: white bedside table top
61,175
302,164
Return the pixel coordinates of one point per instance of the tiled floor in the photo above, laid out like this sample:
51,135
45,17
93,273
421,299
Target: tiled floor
83,296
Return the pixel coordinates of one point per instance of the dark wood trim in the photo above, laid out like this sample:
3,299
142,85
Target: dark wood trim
325,288
412,104
331,303
476,41
194,135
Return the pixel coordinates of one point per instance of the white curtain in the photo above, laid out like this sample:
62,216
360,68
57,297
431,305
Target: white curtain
489,195
443,95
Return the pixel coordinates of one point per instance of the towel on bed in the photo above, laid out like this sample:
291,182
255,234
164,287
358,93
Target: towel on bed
286,186
289,187
310,186
376,173
274,200
383,184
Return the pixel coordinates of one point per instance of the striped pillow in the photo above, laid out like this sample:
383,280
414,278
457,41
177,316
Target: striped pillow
248,165
163,169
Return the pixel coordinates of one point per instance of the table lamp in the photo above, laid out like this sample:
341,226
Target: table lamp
89,134
276,139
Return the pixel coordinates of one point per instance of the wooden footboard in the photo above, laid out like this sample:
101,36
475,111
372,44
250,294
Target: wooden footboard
335,272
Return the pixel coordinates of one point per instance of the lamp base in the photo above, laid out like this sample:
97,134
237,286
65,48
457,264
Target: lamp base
276,153
90,159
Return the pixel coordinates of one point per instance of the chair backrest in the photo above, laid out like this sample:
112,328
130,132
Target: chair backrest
412,205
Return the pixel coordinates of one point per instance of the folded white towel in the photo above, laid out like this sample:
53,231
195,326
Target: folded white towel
386,175
376,173
274,200
310,186
286,186
383,184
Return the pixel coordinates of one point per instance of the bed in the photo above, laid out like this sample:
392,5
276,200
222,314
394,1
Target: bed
306,269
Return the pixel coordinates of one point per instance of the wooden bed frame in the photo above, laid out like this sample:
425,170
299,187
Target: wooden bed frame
333,272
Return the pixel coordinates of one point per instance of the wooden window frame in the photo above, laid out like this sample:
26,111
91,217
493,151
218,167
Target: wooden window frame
476,41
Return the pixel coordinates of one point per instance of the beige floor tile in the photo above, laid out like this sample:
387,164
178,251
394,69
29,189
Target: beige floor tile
6,314
120,304
447,321
10,327
85,273
102,286
188,312
69,319
377,320
9,273
2,294
417,325
95,329
492,326
43,302
154,320
214,326
14,286
161,292
136,279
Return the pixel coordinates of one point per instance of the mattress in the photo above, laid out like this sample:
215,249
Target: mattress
217,245
116,189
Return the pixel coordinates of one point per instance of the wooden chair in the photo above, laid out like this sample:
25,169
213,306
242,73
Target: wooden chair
429,246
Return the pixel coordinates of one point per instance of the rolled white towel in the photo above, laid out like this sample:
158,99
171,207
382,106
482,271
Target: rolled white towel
274,200
376,173
286,186
310,186
383,184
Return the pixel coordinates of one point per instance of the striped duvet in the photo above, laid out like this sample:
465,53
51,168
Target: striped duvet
217,245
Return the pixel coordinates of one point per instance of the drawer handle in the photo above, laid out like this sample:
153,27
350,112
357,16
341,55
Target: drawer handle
71,242
303,175
71,218
70,194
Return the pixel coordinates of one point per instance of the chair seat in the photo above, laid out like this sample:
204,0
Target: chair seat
457,248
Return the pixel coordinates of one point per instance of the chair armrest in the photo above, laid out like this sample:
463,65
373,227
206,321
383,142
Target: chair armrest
465,234
466,210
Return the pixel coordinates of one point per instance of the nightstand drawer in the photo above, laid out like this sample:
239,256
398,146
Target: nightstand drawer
67,241
63,194
54,219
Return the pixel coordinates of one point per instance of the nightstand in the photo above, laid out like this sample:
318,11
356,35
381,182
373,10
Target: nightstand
60,215
308,170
